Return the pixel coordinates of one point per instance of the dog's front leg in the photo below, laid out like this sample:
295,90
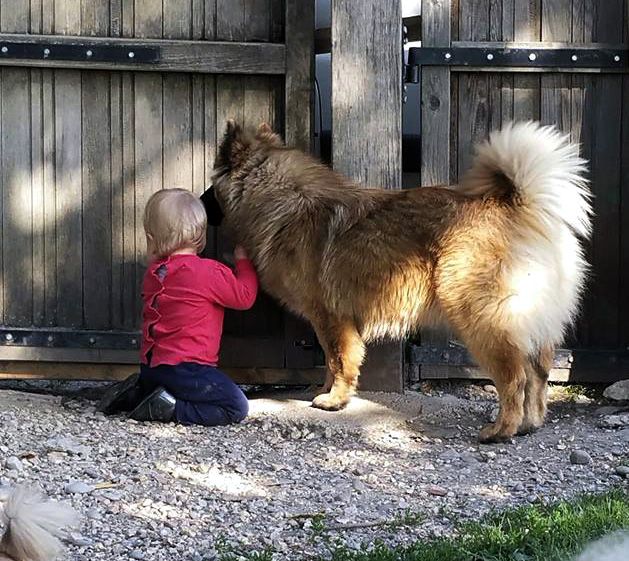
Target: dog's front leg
344,353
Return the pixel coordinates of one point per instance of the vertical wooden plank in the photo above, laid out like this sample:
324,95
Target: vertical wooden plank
95,18
38,198
149,165
362,85
177,142
48,172
148,18
258,20
526,88
17,203
67,17
37,175
474,19
69,196
436,123
624,208
15,16
127,18
365,81
299,117
230,20
35,18
17,239
209,29
68,188
473,94
97,200
473,113
555,102
117,199
435,93
296,26
177,110
177,22
130,303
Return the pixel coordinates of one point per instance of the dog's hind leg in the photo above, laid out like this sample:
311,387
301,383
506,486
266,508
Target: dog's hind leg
344,352
537,372
505,364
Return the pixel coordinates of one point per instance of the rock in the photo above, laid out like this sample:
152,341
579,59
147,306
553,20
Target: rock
618,391
79,540
623,471
615,421
436,491
67,445
14,463
490,389
137,554
78,488
579,457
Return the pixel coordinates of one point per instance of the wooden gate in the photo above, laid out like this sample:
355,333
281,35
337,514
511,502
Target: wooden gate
567,64
103,102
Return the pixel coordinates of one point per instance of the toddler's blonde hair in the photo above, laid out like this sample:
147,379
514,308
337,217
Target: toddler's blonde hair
174,219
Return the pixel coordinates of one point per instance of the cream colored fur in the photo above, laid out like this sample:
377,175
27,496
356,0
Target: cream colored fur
32,526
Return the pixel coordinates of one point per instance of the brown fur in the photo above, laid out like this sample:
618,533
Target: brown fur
365,264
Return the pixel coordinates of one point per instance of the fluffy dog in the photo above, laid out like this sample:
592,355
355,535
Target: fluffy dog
497,258
31,526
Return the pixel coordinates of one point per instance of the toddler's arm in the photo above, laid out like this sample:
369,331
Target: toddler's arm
236,290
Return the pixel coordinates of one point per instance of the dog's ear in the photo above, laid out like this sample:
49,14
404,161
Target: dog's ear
265,134
234,146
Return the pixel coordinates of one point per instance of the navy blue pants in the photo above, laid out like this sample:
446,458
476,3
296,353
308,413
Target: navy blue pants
205,396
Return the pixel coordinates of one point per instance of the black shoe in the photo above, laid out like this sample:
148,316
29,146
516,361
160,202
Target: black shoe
159,405
123,396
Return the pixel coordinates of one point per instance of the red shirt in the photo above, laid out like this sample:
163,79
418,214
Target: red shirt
184,299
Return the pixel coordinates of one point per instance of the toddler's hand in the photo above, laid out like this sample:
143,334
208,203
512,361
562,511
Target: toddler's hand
240,253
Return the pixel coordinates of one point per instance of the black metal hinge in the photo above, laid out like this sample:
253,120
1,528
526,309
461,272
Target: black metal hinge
503,57
85,52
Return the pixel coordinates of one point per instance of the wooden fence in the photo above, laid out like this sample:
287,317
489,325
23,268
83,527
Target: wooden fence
103,102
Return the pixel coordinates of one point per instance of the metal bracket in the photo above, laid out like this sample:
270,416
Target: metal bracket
501,57
84,52
69,338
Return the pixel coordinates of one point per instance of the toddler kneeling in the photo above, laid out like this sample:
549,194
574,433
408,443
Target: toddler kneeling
184,300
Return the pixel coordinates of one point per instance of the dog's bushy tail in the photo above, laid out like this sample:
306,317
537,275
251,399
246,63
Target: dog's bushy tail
33,526
540,171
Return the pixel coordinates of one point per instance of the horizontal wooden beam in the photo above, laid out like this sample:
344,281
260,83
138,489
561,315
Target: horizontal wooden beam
31,370
210,57
323,36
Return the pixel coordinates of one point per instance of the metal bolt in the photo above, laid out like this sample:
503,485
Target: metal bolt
616,58
134,342
448,56
8,337
92,340
89,53
46,52
490,57
131,54
574,58
532,56
50,338
5,49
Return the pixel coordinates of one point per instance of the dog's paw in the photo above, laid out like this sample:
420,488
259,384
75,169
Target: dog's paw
329,402
493,433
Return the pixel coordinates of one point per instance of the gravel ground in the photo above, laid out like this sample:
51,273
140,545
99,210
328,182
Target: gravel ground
297,480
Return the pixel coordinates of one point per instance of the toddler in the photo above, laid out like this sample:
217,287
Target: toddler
184,300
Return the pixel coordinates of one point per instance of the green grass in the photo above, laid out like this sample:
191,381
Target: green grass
531,533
